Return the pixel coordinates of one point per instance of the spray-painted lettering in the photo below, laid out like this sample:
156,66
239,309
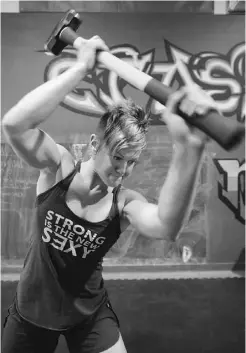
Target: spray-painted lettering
221,75
231,188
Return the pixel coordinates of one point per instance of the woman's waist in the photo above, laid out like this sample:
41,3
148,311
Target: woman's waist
73,280
58,310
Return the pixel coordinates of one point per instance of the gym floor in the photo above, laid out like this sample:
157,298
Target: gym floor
170,315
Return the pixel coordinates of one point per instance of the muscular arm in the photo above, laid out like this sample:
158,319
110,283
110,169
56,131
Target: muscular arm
20,123
164,220
177,194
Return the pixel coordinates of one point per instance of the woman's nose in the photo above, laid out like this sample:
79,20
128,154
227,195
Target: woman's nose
121,168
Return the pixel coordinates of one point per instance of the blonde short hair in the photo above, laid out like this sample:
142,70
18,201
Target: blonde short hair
124,125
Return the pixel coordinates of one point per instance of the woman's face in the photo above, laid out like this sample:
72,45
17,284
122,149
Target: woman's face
114,168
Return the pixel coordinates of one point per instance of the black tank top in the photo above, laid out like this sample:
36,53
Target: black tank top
61,284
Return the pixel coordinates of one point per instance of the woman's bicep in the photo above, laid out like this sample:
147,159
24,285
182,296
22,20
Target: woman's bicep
35,147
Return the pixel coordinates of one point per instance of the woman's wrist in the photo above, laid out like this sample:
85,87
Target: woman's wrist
80,68
186,155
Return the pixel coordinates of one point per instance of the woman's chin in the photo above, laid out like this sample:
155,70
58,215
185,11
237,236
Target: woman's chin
114,180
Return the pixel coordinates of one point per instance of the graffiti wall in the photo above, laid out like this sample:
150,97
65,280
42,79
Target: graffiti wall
177,49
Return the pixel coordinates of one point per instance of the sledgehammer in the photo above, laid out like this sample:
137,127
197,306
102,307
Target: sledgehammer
226,132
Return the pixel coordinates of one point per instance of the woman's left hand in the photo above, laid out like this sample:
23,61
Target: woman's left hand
190,100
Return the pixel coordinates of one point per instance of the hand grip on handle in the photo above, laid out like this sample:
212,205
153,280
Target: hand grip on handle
226,132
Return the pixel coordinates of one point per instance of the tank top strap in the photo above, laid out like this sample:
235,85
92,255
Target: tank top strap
115,192
67,181
62,185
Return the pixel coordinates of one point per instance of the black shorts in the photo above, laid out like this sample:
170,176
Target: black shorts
20,336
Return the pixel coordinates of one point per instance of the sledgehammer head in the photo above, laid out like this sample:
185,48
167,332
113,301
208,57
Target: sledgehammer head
55,44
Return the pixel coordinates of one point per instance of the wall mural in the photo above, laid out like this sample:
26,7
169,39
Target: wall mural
222,76
231,189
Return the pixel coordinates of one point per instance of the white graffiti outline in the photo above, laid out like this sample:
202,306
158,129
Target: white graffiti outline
104,87
221,75
227,187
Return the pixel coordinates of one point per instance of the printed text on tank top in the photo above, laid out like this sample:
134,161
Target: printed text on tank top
93,206
65,257
66,227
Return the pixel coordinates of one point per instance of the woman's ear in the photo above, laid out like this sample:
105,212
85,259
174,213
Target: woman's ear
94,144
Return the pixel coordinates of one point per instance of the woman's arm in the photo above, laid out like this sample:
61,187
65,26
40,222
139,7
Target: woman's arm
20,122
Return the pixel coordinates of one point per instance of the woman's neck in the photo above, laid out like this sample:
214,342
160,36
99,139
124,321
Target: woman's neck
92,180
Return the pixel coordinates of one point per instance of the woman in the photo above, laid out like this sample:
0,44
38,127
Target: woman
82,209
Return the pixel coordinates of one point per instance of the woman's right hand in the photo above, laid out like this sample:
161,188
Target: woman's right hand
87,51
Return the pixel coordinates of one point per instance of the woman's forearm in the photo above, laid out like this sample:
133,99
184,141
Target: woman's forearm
177,193
37,106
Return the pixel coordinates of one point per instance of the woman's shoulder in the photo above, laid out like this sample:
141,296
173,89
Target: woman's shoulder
127,195
48,178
